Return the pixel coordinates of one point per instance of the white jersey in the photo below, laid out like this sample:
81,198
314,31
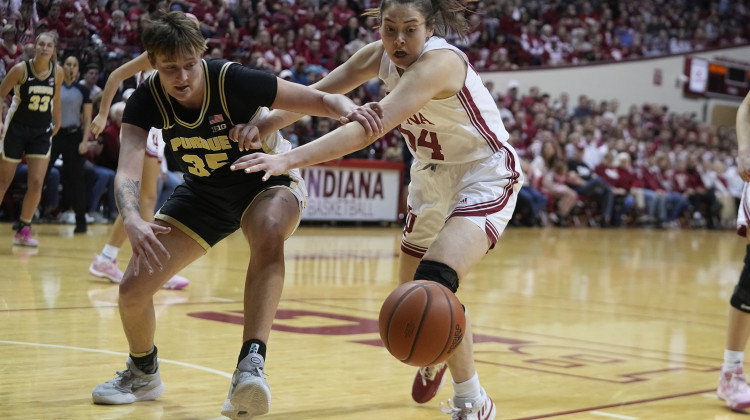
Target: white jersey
462,128
743,213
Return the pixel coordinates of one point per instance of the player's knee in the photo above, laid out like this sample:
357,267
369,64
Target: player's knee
741,296
437,272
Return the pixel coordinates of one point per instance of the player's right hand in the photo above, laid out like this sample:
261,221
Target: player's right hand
97,126
257,162
147,249
247,137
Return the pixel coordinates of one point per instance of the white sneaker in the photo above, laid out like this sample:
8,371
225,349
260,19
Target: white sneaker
249,394
129,386
465,409
733,389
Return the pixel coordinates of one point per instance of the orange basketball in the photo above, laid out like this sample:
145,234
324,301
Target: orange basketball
422,323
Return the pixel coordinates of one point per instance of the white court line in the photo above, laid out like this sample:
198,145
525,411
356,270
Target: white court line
616,416
218,299
712,396
117,353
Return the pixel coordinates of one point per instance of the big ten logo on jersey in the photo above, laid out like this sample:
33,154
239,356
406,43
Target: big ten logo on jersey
217,123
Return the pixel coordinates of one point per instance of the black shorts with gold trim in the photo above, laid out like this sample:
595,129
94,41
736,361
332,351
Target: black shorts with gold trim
21,139
209,214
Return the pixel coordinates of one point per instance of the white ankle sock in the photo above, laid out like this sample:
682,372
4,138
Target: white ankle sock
109,252
468,389
733,359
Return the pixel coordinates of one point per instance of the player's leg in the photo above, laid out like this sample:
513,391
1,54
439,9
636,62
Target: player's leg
34,183
141,380
483,197
733,386
268,222
22,235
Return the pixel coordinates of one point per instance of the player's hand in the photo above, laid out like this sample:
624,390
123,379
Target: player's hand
370,115
147,249
743,164
83,147
97,126
256,162
246,136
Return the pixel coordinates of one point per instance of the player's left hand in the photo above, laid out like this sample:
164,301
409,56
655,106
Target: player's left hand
256,162
247,137
370,115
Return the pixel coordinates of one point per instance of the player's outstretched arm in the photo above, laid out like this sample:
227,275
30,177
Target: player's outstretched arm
424,80
121,73
743,139
359,68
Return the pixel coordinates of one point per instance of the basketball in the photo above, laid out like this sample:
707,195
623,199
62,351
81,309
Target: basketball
421,323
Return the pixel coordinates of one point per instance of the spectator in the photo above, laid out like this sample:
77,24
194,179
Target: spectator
549,175
76,34
96,16
53,21
582,179
25,22
688,182
620,182
90,77
532,204
299,71
10,51
676,203
117,32
713,178
647,201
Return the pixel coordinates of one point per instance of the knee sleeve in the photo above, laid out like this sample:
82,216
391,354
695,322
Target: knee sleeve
437,272
741,296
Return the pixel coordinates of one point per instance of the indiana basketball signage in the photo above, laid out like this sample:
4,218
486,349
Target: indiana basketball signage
352,193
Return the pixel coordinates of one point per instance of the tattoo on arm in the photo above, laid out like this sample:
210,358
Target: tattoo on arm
128,197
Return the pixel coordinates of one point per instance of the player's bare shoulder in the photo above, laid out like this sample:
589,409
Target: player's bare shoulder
445,67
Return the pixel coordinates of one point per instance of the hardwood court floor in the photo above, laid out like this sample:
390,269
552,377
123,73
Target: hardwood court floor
569,324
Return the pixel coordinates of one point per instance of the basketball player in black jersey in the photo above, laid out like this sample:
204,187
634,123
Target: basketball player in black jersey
33,118
205,110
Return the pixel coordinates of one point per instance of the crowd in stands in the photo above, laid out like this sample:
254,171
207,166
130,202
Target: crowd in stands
586,163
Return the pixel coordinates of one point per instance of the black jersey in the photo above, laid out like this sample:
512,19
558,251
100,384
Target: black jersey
32,99
199,141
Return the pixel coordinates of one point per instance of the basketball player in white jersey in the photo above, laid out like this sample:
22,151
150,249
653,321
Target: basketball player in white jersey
465,176
104,264
733,387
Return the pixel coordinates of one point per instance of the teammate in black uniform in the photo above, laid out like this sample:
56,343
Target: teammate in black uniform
206,110
33,118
